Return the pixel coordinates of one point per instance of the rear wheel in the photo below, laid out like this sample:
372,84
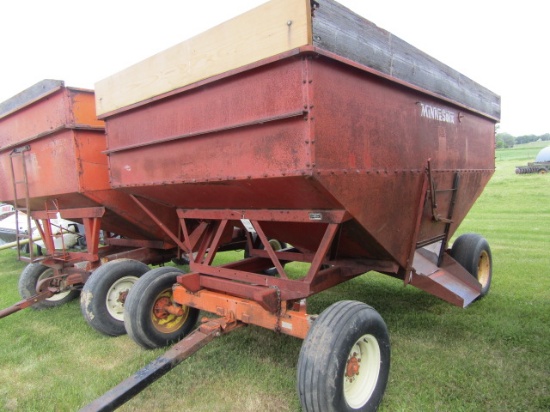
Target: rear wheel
275,244
33,274
344,362
472,251
145,317
104,294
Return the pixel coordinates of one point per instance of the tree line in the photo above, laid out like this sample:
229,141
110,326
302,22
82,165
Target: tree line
506,140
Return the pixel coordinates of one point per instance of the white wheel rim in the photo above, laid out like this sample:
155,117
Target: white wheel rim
362,370
116,295
58,296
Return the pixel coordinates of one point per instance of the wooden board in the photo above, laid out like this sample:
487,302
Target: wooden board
265,32
270,29
340,31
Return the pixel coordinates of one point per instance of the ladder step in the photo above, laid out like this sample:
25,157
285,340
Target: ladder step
17,182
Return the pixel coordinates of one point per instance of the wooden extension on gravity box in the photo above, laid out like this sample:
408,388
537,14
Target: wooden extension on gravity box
280,26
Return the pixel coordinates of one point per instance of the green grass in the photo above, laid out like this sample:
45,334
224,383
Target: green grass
492,356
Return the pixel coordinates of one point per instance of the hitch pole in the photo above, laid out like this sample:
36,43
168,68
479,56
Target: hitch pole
26,303
133,385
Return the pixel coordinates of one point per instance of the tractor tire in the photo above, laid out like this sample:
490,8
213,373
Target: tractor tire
146,323
472,251
331,376
104,294
29,279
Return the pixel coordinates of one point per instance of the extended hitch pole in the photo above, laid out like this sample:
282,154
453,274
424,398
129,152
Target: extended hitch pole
127,389
44,291
48,293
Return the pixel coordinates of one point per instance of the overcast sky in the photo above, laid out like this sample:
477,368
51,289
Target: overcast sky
502,45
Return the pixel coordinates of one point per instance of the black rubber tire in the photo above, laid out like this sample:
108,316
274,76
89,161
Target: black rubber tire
472,251
98,304
139,318
327,350
28,281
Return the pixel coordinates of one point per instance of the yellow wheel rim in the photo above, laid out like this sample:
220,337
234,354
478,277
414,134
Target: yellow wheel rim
484,268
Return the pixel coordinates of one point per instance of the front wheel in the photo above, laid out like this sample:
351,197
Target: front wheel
104,294
344,362
33,274
145,318
472,251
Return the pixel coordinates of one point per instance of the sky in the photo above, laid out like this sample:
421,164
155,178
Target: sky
502,45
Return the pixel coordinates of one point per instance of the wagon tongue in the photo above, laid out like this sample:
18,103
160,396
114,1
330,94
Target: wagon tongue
46,294
45,290
127,389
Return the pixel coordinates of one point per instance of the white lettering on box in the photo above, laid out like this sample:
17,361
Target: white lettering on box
437,113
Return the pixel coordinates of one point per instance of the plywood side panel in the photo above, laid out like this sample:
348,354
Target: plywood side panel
268,30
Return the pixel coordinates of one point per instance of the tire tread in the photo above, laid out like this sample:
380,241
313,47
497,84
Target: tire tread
329,331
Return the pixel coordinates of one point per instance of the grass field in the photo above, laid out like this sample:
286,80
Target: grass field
492,356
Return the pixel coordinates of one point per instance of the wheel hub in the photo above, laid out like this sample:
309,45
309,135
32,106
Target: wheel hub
160,306
165,317
54,283
353,366
362,370
122,296
116,296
